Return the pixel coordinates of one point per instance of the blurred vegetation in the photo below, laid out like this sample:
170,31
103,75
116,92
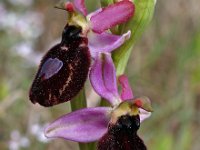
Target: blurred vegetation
164,66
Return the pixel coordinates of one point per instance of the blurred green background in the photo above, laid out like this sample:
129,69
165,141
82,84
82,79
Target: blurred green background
165,66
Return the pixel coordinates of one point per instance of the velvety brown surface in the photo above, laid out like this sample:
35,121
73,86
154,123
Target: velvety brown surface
123,135
63,85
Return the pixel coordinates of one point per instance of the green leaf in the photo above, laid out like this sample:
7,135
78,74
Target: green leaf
144,10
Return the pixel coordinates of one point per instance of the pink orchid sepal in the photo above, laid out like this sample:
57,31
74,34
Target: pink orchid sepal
104,74
105,42
99,39
84,125
111,16
90,124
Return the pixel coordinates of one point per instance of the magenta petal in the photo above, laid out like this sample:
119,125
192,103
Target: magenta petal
105,42
80,6
85,125
103,78
112,15
126,93
144,114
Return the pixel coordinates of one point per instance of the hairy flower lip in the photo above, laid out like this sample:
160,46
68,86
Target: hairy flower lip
59,77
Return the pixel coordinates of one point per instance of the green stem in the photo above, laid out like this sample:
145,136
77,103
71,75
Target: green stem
143,15
83,146
79,101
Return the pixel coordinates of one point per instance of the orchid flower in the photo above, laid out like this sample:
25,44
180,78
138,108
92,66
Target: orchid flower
96,24
115,126
64,69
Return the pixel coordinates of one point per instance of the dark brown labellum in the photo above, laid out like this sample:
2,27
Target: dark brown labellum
122,135
63,70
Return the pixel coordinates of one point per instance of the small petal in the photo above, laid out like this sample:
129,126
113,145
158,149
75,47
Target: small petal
103,79
85,125
144,114
111,16
126,88
105,42
80,6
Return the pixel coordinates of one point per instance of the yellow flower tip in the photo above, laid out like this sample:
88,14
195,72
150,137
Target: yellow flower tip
79,20
124,108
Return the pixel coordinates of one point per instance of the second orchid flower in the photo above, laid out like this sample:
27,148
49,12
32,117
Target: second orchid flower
114,126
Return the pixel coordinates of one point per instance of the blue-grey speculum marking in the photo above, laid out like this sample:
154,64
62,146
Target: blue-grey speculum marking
50,68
